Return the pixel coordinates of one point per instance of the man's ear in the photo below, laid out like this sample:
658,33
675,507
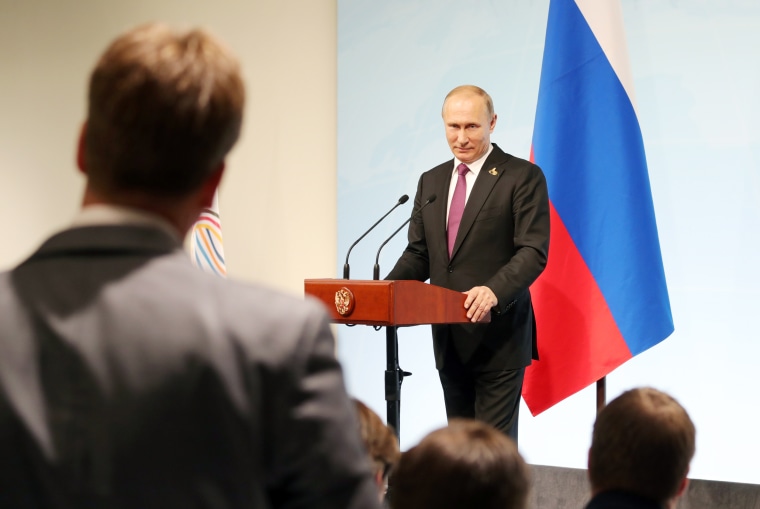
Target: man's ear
81,145
379,479
209,187
682,487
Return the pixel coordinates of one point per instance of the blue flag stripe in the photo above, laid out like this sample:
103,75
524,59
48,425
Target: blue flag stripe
597,176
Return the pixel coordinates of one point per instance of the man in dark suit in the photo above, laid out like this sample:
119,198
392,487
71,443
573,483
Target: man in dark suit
131,379
490,240
641,448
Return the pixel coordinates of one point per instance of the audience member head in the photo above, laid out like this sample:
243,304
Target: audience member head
164,109
381,444
643,442
464,465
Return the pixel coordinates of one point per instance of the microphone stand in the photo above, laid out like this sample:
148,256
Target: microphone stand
394,375
346,268
376,268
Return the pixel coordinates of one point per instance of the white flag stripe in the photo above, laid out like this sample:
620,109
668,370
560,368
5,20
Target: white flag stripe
606,21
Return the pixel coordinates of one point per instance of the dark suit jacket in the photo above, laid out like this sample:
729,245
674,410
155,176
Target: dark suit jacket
131,379
621,500
502,243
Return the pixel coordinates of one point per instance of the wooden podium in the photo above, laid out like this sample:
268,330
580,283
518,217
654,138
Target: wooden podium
390,304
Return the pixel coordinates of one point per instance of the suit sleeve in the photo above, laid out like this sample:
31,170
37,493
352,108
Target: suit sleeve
530,210
319,459
414,262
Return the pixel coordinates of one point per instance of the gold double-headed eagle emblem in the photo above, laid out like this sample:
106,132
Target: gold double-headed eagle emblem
344,301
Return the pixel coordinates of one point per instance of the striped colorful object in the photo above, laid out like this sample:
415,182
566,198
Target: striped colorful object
603,297
206,243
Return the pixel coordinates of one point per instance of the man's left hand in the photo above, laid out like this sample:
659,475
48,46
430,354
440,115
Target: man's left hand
479,302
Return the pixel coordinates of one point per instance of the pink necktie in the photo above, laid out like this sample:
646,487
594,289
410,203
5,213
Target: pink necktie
457,206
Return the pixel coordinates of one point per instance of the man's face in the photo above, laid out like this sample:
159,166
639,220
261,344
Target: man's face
468,126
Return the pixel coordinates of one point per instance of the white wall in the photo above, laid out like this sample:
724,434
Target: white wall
278,198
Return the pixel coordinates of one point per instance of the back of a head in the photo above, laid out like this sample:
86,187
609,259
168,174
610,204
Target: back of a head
164,109
467,464
381,444
378,438
643,442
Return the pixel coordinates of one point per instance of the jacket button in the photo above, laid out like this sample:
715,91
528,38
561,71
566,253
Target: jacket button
451,269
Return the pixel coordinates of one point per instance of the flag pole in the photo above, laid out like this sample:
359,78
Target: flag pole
601,393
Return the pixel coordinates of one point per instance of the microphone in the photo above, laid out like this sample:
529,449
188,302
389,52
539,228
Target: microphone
376,270
346,268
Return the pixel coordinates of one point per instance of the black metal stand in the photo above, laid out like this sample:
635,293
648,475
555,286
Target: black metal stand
601,393
394,376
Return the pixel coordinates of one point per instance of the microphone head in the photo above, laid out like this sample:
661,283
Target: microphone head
431,198
403,199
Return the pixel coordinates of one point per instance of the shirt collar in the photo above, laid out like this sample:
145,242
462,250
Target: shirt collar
475,166
105,214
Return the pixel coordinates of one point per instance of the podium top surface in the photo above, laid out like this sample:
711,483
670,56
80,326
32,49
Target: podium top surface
387,303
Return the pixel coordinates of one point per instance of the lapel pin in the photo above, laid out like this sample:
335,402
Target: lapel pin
493,171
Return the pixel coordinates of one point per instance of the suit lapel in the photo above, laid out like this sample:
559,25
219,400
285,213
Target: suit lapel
488,176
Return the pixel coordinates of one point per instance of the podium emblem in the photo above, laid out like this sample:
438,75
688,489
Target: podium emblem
344,301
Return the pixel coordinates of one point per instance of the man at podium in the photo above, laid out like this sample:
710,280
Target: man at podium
490,240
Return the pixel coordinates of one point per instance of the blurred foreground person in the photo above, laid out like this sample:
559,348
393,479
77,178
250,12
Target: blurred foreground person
131,379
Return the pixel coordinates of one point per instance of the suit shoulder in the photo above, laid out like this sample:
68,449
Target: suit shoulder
229,296
267,324
270,302
521,165
499,157
443,168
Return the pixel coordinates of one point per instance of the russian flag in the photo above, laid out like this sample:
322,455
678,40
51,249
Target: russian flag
602,298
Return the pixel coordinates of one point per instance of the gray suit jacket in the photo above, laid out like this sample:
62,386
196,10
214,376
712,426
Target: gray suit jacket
502,243
131,379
